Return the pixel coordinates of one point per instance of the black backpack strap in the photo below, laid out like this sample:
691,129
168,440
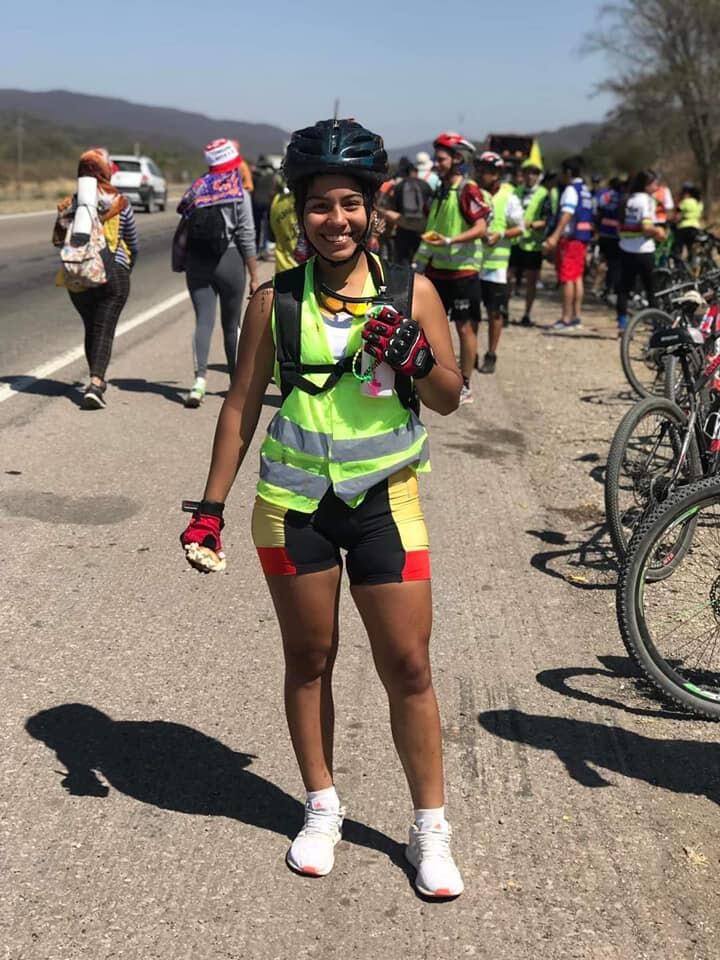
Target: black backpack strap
399,282
395,287
289,289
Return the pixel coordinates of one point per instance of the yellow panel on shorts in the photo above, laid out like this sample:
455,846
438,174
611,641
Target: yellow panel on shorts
404,499
268,524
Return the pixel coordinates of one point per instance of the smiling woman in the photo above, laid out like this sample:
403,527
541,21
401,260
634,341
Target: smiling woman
338,472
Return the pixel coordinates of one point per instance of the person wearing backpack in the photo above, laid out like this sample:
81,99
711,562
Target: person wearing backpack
351,341
217,234
410,206
449,251
99,298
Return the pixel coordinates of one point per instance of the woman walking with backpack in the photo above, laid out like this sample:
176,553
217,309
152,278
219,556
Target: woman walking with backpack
217,237
100,306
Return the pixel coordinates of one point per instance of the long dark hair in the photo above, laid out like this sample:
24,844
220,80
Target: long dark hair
638,183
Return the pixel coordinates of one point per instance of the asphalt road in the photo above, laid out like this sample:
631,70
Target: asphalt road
149,788
37,320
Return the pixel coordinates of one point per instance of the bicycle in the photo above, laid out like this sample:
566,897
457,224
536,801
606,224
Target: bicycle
661,443
639,362
670,626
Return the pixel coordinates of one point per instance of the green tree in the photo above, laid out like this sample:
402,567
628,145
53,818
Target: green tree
666,75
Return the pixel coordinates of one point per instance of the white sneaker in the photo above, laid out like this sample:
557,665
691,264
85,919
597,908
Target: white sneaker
429,852
197,393
313,849
466,395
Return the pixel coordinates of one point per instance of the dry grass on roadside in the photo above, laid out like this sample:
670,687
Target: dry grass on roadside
37,195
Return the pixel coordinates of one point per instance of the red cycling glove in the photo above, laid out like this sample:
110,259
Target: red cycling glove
399,341
201,540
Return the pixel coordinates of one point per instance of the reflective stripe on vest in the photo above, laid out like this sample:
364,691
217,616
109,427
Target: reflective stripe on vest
339,439
498,257
446,218
310,485
347,490
323,445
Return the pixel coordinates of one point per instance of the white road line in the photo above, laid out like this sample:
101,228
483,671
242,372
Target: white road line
35,213
20,383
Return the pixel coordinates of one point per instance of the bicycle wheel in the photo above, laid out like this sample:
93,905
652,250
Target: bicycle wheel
640,464
671,627
642,366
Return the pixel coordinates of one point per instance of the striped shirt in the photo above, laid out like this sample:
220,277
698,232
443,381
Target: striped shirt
128,233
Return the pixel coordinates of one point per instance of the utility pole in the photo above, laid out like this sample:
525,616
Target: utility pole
19,134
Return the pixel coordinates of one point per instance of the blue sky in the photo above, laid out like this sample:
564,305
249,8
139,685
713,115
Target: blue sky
405,69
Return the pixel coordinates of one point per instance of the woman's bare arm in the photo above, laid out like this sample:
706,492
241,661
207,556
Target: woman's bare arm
241,409
440,390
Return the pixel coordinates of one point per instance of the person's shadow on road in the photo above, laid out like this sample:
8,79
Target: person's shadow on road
175,767
585,748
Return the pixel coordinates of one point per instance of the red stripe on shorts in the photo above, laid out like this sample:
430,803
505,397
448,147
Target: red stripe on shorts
276,562
417,565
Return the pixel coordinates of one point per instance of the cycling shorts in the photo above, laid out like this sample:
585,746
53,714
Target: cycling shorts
385,536
460,297
526,259
494,295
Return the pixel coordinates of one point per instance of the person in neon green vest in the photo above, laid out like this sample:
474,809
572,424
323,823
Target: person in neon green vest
506,224
338,470
284,228
449,249
527,253
689,218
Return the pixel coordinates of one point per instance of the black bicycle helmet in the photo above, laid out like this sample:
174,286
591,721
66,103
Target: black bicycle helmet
335,146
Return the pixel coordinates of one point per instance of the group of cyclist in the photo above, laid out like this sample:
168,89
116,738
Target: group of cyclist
354,343
479,233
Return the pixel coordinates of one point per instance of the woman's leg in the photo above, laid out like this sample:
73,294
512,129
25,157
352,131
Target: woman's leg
229,282
613,274
628,272
307,611
646,268
84,303
398,619
204,302
102,320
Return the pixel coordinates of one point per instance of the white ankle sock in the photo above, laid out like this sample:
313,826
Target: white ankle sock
431,819
326,799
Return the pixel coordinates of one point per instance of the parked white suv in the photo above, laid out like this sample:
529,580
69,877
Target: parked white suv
140,180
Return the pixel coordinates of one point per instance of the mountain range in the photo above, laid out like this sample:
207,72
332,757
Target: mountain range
58,124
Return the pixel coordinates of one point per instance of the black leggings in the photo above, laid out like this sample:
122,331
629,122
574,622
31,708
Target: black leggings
610,250
100,309
632,266
684,239
207,282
